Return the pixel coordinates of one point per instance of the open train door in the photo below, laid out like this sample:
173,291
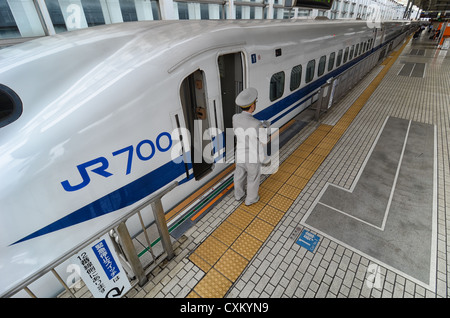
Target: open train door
193,97
231,71
208,104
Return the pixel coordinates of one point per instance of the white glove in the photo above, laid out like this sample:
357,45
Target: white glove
266,123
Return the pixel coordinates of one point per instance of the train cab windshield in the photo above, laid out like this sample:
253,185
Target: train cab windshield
10,106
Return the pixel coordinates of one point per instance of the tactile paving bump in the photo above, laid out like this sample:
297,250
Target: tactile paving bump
199,262
259,229
288,167
231,265
213,285
240,218
254,208
265,194
304,173
227,233
193,294
297,181
211,250
290,191
311,165
296,161
281,202
271,215
271,184
246,245
281,175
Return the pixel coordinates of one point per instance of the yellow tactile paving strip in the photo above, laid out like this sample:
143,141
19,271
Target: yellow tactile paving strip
226,252
224,255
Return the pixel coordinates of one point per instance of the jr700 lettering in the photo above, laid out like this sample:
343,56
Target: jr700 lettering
145,150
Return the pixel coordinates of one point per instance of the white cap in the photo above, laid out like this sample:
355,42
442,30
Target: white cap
247,97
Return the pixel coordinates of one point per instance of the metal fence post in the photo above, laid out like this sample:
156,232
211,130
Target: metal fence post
161,223
130,253
319,103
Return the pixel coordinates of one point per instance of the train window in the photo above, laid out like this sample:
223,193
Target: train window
339,58
345,55
276,86
310,68
322,63
351,52
331,61
296,77
10,106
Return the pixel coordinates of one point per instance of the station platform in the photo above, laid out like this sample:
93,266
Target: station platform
357,209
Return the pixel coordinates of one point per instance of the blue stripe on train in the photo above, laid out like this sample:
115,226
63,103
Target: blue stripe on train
118,199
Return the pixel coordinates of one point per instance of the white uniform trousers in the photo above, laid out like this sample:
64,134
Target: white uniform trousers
247,173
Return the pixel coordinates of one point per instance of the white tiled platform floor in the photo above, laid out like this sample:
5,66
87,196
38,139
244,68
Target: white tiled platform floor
282,268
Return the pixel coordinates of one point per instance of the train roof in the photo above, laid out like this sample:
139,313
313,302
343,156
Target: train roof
154,33
156,37
84,58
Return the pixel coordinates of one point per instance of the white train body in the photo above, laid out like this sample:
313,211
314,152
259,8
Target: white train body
95,135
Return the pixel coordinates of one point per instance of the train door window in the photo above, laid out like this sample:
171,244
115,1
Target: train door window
231,71
352,50
10,106
339,58
296,77
194,102
310,68
276,86
345,55
322,63
331,61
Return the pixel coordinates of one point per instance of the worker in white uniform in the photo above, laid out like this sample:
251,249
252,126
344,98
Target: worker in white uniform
250,133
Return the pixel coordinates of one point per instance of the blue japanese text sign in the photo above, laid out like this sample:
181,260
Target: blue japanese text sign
308,240
100,269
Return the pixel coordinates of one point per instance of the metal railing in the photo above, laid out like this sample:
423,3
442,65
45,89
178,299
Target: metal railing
337,87
123,243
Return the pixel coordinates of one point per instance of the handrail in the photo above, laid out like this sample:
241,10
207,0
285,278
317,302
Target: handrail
362,67
27,281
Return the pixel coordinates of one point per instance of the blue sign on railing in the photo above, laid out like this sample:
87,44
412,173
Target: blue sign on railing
101,270
308,240
106,259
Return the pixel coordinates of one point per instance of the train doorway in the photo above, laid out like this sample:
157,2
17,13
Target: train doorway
193,99
231,84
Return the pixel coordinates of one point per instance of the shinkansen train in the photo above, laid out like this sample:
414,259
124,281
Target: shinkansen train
90,120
